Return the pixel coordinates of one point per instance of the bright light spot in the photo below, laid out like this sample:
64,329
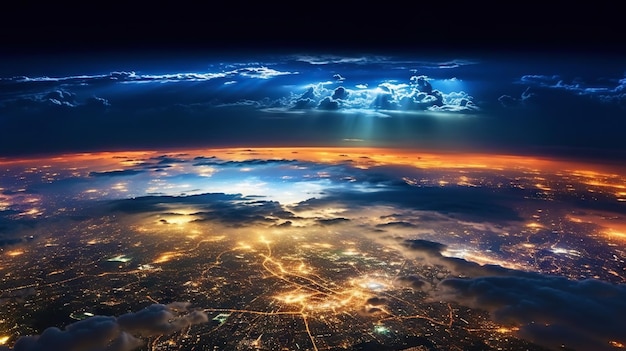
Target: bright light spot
4,339
560,250
543,187
292,298
15,253
166,256
480,258
243,246
534,225
374,286
120,187
381,329
205,171
617,344
350,252
505,330
33,212
615,234
120,258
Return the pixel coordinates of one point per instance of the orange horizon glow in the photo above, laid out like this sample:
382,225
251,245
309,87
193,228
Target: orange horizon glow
363,157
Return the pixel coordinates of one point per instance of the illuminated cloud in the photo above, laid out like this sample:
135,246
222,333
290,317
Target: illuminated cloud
260,72
338,77
333,59
602,89
231,209
416,95
509,101
123,333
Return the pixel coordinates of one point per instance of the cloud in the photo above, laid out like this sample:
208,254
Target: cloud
328,103
340,93
116,173
410,281
376,301
106,333
338,77
231,209
333,59
55,99
396,224
260,72
471,204
160,319
417,95
603,90
550,311
331,221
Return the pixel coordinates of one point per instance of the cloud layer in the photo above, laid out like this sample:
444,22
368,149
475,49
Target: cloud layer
416,95
549,310
105,333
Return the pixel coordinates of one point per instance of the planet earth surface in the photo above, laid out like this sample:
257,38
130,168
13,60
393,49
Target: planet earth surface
313,202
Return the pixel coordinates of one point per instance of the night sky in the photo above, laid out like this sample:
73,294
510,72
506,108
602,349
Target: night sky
542,80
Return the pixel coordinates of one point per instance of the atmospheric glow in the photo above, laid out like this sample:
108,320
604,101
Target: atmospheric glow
328,229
